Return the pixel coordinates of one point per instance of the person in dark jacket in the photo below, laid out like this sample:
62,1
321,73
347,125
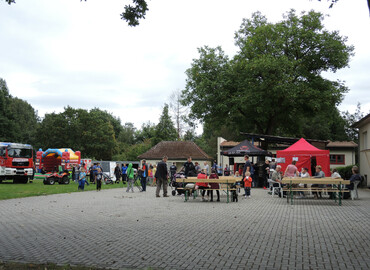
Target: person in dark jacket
117,173
355,177
162,177
189,168
173,170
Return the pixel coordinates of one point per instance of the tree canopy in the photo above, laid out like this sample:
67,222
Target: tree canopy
274,84
18,119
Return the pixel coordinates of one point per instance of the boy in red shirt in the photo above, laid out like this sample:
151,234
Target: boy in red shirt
247,184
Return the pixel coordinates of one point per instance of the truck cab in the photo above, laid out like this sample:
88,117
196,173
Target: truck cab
16,162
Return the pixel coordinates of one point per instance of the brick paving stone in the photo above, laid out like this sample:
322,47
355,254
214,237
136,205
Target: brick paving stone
117,230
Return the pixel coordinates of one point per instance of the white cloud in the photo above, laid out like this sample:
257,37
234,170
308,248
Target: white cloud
59,53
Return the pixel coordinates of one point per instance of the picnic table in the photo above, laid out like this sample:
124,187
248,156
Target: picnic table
222,180
336,186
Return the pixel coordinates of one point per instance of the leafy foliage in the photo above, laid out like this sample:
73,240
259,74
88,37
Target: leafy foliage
165,130
275,79
345,171
132,14
18,119
92,132
349,120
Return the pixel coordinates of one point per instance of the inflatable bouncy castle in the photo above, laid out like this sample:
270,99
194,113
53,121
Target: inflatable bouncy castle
53,158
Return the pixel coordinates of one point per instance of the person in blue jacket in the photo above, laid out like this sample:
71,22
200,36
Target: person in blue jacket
144,175
124,173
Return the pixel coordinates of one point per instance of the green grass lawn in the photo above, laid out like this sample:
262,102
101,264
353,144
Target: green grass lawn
8,190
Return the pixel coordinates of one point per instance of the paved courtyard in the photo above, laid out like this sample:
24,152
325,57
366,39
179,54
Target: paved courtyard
114,229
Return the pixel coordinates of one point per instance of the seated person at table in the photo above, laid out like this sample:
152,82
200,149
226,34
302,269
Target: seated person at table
334,175
355,177
214,185
202,185
319,174
304,174
291,170
276,176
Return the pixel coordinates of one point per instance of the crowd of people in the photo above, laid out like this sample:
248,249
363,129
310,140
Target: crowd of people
292,171
159,174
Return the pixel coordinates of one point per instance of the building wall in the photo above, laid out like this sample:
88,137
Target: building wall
220,158
364,152
349,157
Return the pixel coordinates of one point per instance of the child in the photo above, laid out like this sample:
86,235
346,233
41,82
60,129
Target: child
214,185
130,178
82,179
247,184
98,179
304,174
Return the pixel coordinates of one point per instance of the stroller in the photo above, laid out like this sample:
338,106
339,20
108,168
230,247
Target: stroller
137,177
175,185
107,179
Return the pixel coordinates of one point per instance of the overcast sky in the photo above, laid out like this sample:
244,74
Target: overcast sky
66,52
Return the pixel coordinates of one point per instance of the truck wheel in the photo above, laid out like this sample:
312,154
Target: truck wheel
25,180
51,181
65,180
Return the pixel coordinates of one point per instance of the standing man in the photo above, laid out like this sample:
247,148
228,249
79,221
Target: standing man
117,173
189,168
247,166
144,175
162,176
265,173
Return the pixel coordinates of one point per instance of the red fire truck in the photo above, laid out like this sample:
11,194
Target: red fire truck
16,162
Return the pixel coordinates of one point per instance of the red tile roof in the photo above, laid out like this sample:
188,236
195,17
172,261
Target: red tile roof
175,150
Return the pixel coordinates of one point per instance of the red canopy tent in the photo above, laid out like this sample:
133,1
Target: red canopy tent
303,152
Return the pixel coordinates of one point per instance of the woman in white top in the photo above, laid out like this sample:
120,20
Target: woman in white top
304,174
335,174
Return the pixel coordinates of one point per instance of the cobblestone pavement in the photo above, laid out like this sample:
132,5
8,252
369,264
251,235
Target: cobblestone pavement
115,229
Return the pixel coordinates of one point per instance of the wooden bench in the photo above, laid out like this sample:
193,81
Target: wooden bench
336,187
223,180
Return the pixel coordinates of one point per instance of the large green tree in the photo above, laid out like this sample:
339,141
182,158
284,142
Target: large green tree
274,81
165,129
91,132
18,119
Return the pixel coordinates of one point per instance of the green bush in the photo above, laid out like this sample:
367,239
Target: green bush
345,172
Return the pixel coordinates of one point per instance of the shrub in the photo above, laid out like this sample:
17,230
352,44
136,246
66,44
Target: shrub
345,172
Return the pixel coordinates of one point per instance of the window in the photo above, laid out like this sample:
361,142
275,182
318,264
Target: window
337,159
18,152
